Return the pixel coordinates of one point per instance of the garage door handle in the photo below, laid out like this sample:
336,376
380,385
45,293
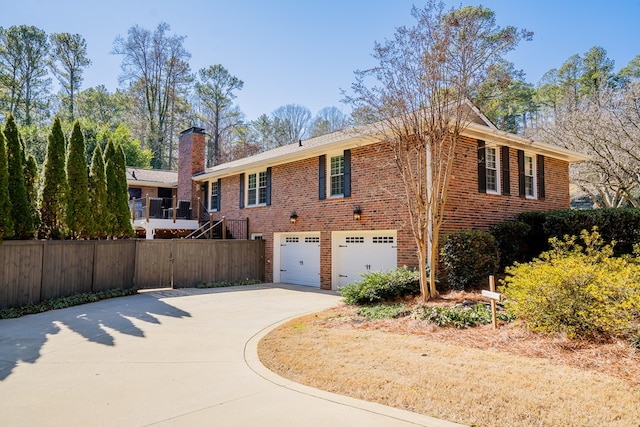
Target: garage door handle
301,262
342,246
282,270
342,275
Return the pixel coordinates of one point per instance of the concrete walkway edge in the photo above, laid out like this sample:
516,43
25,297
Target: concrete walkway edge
253,361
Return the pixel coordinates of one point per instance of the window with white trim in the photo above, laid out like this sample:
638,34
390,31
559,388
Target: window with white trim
492,166
336,176
213,197
257,188
529,176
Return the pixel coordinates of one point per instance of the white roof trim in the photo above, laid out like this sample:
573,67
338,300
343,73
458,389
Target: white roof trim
365,135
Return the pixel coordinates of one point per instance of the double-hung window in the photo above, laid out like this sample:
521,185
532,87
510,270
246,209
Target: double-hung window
492,170
257,188
529,176
213,198
336,177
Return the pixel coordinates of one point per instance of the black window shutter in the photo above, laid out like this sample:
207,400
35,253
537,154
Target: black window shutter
506,178
219,196
521,189
268,201
347,173
241,191
482,168
540,171
322,185
207,196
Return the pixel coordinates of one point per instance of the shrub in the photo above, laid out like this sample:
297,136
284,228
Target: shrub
378,286
512,239
537,240
227,284
578,290
469,257
383,311
459,316
64,302
619,225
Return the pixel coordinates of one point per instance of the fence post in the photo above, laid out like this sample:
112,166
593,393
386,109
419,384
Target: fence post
224,228
133,209
174,208
147,210
210,225
197,210
247,235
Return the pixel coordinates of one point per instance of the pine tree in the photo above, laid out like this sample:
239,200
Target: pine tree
20,209
98,195
118,204
6,220
54,190
78,212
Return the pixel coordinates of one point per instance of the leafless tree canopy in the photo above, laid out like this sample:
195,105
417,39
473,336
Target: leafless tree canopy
416,98
155,64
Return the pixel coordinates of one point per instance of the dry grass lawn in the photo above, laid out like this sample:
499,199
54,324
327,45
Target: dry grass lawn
476,376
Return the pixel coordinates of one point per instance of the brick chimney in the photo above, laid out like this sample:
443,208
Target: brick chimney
190,162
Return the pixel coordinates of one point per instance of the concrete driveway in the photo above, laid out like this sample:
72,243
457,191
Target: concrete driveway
169,358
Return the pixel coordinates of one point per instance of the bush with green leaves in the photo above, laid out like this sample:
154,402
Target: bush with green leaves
64,302
469,258
459,316
378,286
384,311
580,290
227,284
512,240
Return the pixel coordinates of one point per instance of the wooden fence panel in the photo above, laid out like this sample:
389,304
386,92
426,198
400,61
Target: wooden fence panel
67,268
216,260
114,264
32,271
153,264
20,273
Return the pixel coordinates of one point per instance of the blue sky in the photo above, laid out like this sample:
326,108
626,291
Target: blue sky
304,52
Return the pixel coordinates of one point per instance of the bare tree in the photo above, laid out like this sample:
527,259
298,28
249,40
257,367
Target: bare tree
607,129
294,121
419,106
329,119
156,67
215,89
68,59
23,53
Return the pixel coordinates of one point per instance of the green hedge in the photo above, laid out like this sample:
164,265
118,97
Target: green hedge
469,257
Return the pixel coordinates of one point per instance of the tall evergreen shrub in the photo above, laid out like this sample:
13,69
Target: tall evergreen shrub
118,196
78,213
20,208
98,194
6,219
54,188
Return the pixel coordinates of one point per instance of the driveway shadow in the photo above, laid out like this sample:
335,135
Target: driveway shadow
22,339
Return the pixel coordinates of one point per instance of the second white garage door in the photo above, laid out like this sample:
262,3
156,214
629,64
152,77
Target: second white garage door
300,259
357,252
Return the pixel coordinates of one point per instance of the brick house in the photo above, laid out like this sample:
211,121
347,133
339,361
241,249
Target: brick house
332,207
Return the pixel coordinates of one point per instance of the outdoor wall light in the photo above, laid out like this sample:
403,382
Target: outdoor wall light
357,213
293,217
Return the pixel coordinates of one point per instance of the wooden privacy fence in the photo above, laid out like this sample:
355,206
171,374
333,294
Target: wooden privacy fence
32,271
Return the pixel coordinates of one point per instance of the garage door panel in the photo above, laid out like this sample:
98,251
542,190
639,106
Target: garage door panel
300,260
360,252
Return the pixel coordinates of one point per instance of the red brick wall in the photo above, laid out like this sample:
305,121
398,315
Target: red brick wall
378,191
468,208
191,152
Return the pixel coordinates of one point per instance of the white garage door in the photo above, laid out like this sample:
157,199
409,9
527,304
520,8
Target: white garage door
358,252
300,259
